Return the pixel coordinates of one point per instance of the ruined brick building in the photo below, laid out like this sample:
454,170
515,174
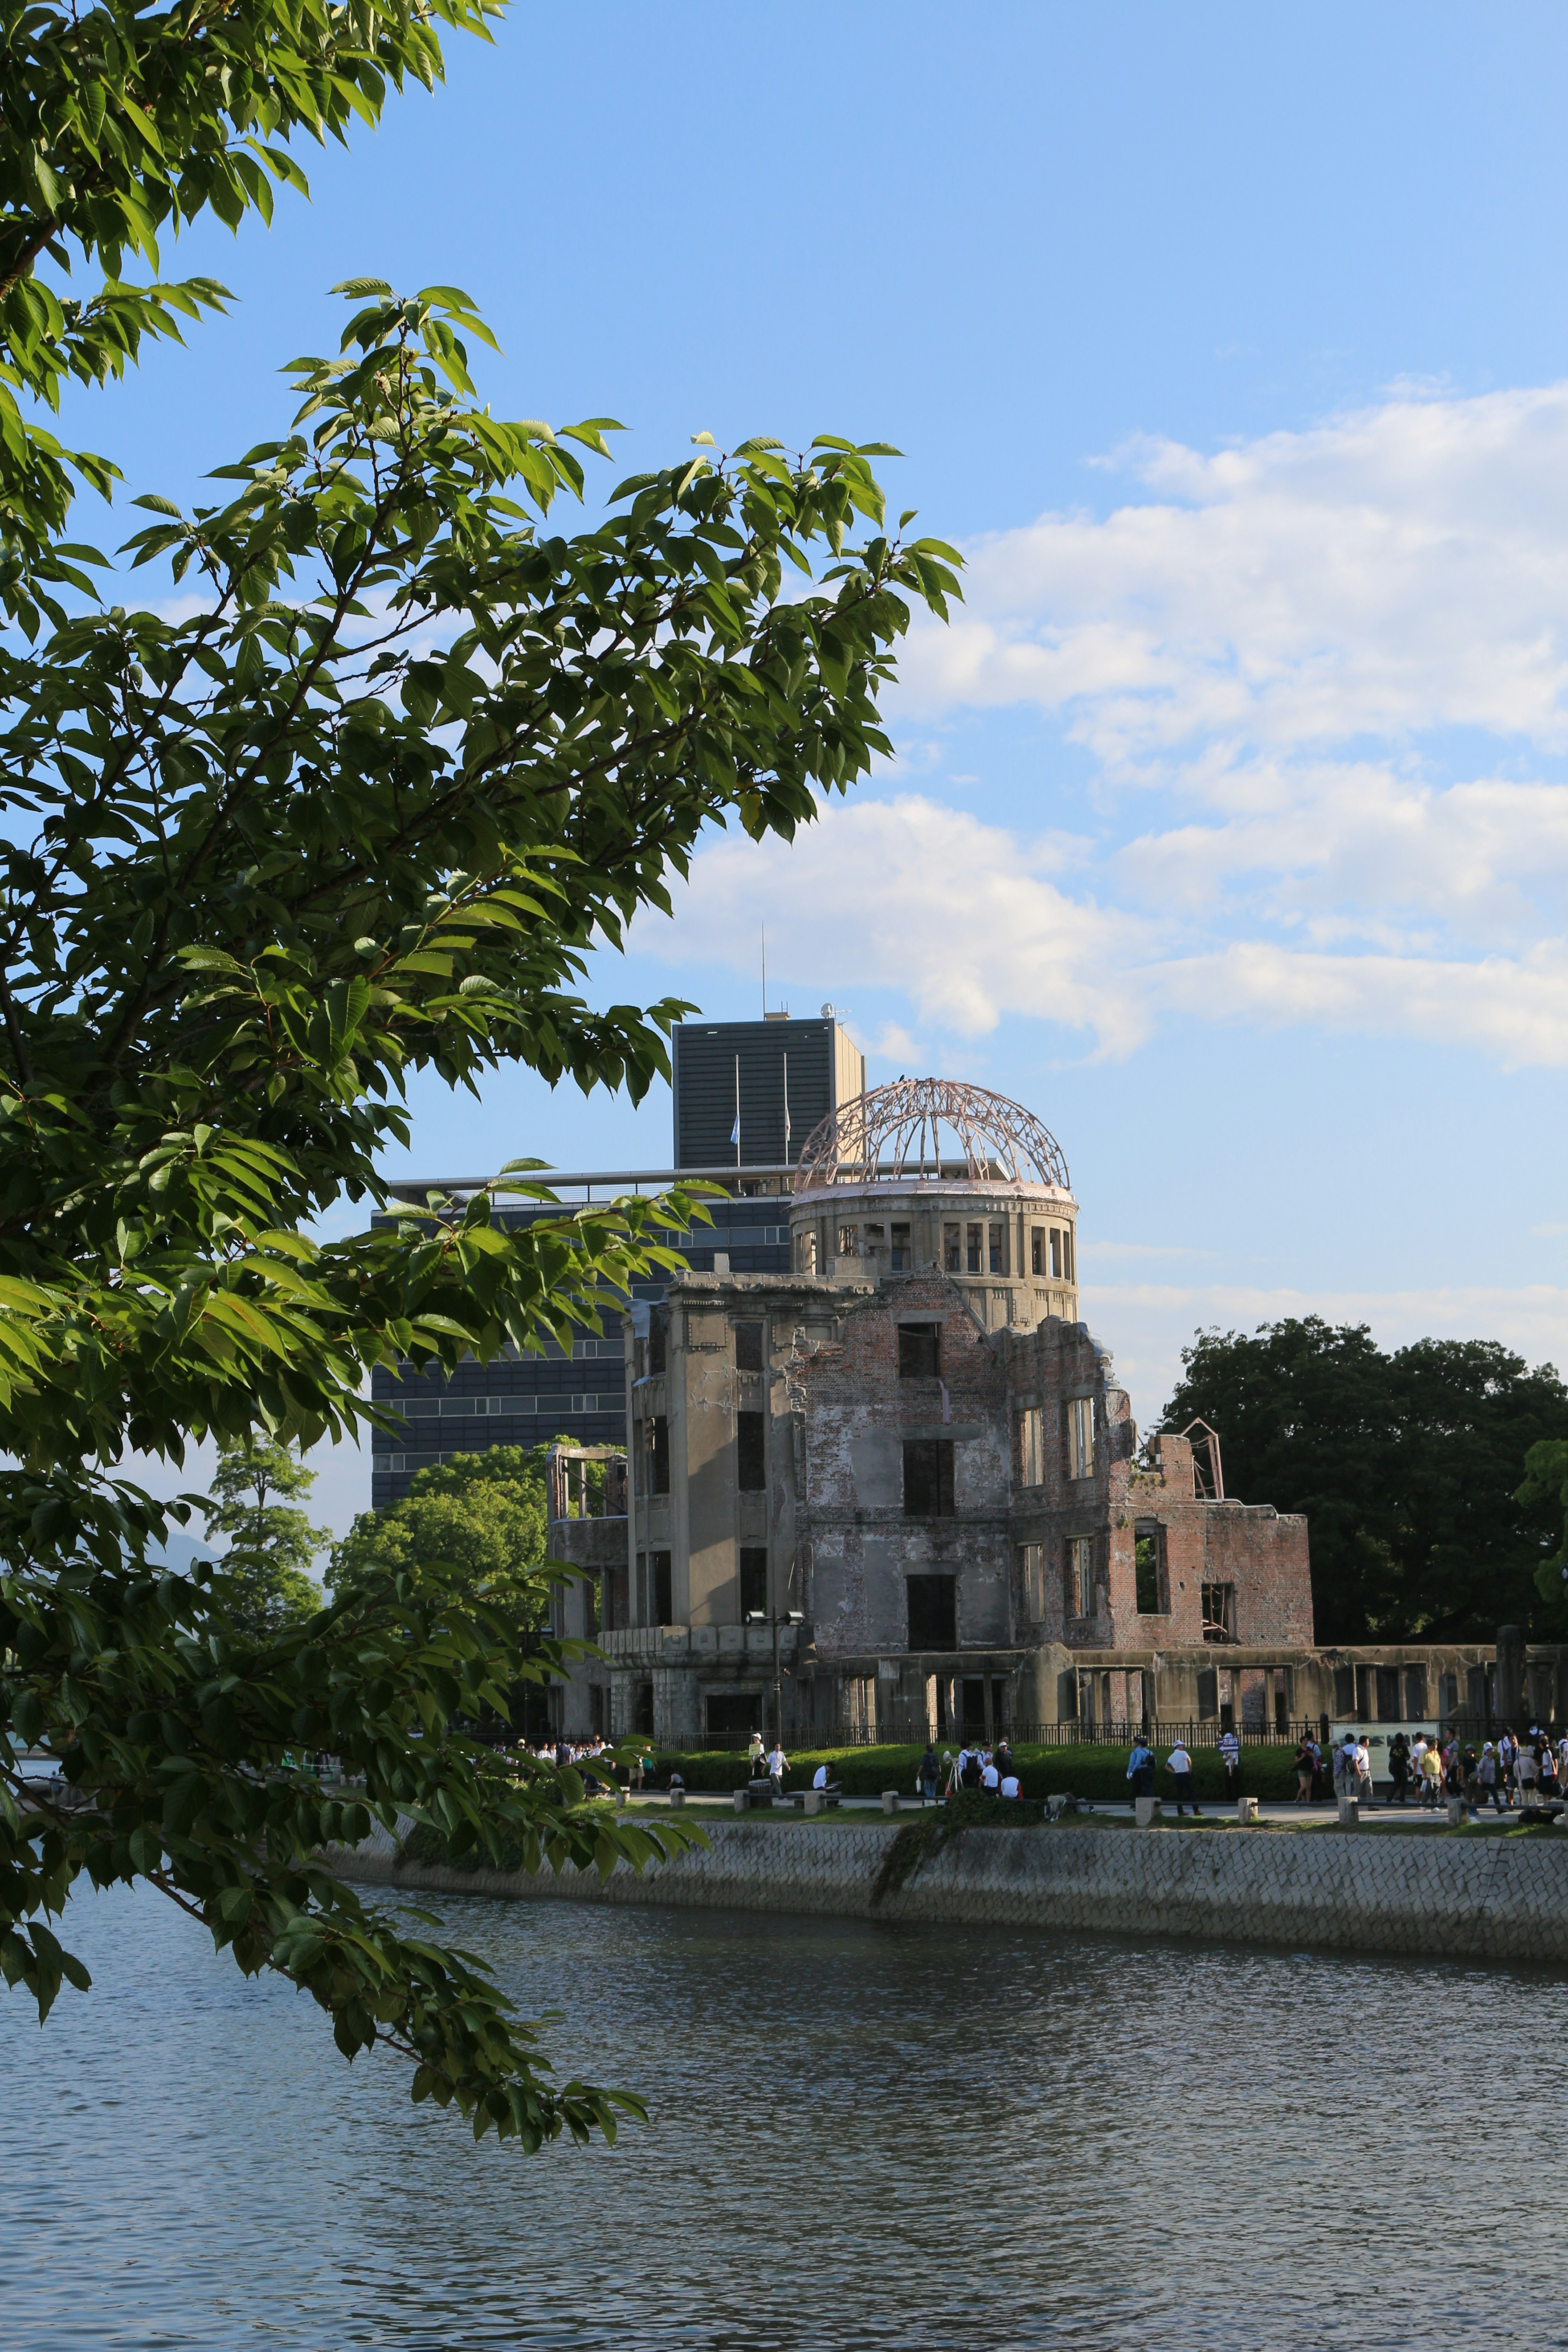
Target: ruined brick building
909,1461
897,1490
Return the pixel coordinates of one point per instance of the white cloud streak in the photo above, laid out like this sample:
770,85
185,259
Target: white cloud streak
1315,673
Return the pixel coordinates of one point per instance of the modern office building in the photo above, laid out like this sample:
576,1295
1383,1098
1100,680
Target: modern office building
787,1075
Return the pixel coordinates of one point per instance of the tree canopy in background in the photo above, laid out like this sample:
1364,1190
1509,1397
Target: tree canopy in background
265,1571
482,1513
360,812
1407,1466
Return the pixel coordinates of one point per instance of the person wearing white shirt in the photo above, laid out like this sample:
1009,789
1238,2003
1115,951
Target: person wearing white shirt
778,1765
1010,1786
819,1778
1179,1765
990,1777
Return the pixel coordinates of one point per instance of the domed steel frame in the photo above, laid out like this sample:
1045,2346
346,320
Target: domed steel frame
891,1136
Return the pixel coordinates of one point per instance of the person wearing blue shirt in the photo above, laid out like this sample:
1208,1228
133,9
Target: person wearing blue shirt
1140,1770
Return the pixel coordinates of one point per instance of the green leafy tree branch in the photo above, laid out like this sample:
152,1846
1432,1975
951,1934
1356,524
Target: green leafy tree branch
362,814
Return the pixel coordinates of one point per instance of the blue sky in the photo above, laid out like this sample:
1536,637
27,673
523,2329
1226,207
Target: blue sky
1228,828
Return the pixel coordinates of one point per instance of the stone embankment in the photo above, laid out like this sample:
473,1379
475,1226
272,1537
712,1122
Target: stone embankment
1503,1898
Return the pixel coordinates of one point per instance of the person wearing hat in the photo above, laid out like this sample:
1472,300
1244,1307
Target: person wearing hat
1179,1765
1140,1770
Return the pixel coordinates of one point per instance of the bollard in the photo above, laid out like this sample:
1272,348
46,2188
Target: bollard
1146,1812
620,1799
742,1801
1246,1809
678,1796
814,1800
1458,1810
1350,1812
890,1800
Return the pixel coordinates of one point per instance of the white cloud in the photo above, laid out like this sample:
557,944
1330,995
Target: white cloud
958,916
1383,574
1315,673
906,894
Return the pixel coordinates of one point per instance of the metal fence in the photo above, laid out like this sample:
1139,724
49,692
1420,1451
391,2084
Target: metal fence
1077,1732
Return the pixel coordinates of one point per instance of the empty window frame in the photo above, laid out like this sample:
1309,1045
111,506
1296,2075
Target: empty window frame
1219,1612
848,1241
1415,1695
974,1246
919,1351
901,1259
754,1579
660,1588
1148,1565
1037,1251
876,1240
642,1709
748,1347
952,1249
933,1611
997,1246
927,1477
1031,1455
806,1253
1079,1415
1030,1563
591,1608
1281,1700
1066,1254
1080,1593
751,1452
733,1715
657,1344
655,1455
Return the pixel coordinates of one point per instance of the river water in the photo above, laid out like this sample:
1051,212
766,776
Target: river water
861,2136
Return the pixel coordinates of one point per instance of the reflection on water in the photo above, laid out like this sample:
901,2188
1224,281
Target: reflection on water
862,2136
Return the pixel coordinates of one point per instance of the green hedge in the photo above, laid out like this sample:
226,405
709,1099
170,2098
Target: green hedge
1087,1771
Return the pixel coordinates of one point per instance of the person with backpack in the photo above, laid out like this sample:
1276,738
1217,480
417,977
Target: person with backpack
930,1774
1399,1767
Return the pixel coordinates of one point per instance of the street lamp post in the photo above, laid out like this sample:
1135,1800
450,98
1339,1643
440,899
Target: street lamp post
785,1617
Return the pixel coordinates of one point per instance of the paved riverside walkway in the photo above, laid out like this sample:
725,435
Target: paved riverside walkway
718,1804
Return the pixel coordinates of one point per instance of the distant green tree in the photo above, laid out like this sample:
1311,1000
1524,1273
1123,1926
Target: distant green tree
1545,1487
265,1571
1407,1467
483,1515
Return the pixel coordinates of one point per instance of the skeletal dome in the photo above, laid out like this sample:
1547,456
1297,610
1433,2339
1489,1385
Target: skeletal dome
929,1174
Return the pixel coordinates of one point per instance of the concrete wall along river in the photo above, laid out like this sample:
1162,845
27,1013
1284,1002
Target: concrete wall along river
1484,1898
